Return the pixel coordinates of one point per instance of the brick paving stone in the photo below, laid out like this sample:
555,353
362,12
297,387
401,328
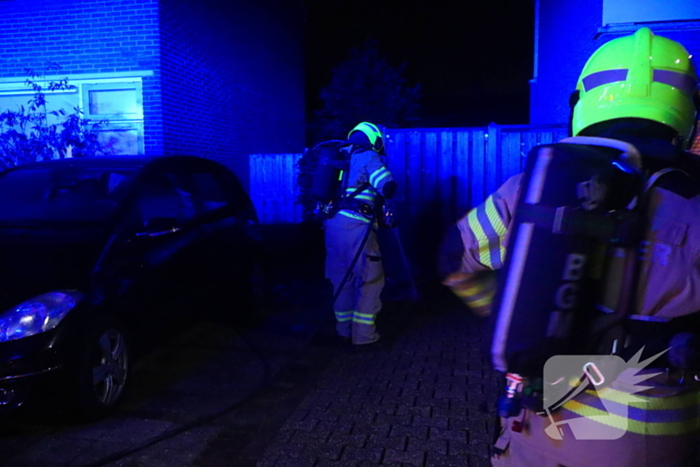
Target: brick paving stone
455,410
337,428
459,423
438,446
451,394
480,433
352,453
332,463
432,402
412,410
324,451
369,428
415,458
296,462
304,425
360,417
303,437
438,422
417,432
481,451
385,407
455,435
345,406
393,392
282,436
458,448
475,461
392,442
342,439
266,462
439,460
287,449
325,415
406,398
401,420
407,383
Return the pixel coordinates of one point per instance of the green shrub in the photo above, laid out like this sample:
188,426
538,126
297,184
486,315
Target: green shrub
35,133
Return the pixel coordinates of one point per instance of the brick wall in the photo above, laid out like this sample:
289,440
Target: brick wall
86,37
567,37
232,80
227,77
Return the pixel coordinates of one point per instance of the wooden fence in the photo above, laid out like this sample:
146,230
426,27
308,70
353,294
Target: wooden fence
273,187
441,171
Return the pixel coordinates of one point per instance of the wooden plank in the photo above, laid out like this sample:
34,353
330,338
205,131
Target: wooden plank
446,183
462,173
429,169
414,185
478,173
396,161
510,155
492,159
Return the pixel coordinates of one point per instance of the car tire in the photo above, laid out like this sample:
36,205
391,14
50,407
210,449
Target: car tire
103,373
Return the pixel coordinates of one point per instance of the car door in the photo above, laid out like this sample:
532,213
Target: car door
148,262
226,228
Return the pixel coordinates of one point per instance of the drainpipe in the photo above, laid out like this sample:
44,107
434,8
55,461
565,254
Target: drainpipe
536,55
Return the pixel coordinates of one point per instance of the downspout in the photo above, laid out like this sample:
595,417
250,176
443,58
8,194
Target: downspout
536,55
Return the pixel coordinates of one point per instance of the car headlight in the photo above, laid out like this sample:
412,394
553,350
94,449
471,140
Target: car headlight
38,314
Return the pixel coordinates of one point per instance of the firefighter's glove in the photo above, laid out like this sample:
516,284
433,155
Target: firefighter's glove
475,290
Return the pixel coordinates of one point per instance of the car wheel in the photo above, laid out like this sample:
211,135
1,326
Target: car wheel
104,370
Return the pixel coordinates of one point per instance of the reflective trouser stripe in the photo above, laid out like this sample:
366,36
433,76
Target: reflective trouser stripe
475,296
473,291
673,415
343,316
363,318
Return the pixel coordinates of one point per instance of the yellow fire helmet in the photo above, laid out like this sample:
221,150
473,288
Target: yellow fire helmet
638,76
373,133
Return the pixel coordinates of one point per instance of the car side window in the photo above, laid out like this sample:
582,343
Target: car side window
209,191
162,195
235,193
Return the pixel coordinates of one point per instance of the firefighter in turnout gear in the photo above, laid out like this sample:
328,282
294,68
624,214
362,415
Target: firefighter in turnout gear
353,260
640,90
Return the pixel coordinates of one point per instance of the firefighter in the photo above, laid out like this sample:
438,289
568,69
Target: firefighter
353,259
640,89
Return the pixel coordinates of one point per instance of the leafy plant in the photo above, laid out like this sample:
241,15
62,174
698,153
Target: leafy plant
35,133
365,87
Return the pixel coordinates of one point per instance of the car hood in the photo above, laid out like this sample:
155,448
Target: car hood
35,262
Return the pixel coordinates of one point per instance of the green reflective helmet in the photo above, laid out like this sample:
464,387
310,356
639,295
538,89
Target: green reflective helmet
638,76
373,133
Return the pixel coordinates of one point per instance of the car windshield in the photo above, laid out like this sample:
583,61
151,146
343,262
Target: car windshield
63,194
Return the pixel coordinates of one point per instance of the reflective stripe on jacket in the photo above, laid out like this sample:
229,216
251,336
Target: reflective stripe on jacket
366,167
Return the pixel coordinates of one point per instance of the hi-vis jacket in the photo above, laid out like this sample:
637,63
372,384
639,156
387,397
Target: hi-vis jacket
366,166
663,425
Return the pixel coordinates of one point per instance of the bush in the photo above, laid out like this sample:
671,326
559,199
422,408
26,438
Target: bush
35,133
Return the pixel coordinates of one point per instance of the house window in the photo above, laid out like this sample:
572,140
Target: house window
120,103
649,11
113,101
122,139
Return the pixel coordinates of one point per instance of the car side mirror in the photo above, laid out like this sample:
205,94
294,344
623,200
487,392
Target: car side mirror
160,226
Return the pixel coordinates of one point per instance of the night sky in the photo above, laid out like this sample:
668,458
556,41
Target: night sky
472,59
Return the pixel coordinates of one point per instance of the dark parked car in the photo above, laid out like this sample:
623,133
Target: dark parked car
98,256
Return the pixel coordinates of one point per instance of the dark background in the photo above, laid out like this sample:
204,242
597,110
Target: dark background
472,59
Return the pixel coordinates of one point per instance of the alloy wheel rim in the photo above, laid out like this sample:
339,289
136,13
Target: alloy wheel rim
110,367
